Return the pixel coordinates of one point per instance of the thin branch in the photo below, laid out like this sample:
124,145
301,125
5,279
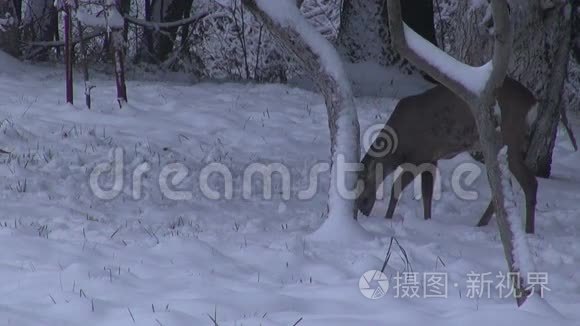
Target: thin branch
48,44
166,25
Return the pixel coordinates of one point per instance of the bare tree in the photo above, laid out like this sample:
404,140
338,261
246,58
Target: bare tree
480,97
40,25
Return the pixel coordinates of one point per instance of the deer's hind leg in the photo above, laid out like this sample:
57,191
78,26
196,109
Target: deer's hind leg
529,184
403,179
487,215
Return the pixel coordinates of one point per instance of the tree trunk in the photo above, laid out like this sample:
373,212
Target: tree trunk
118,45
84,64
364,31
539,156
187,5
160,44
364,34
9,23
575,42
41,25
118,57
539,60
146,48
68,52
308,46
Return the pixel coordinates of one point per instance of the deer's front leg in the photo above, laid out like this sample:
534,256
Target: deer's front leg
427,187
400,183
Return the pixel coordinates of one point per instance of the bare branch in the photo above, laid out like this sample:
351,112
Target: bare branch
166,25
444,68
400,35
61,43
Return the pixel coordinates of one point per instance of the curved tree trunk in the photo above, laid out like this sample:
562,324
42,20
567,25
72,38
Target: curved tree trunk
318,57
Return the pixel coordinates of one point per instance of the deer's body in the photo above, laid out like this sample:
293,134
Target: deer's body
437,124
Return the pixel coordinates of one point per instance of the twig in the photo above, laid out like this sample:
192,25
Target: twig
165,25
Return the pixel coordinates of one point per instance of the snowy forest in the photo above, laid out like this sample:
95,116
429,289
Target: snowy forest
289,162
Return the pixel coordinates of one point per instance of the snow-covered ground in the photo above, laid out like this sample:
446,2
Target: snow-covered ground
70,258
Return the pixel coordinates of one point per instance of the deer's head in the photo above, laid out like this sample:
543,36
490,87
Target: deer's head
366,199
375,169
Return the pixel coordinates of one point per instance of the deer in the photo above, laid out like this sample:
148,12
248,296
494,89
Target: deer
437,124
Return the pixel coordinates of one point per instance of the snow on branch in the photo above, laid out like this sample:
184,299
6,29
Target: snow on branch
472,78
466,81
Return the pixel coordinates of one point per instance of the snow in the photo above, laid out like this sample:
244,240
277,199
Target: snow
10,65
107,18
473,78
69,258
